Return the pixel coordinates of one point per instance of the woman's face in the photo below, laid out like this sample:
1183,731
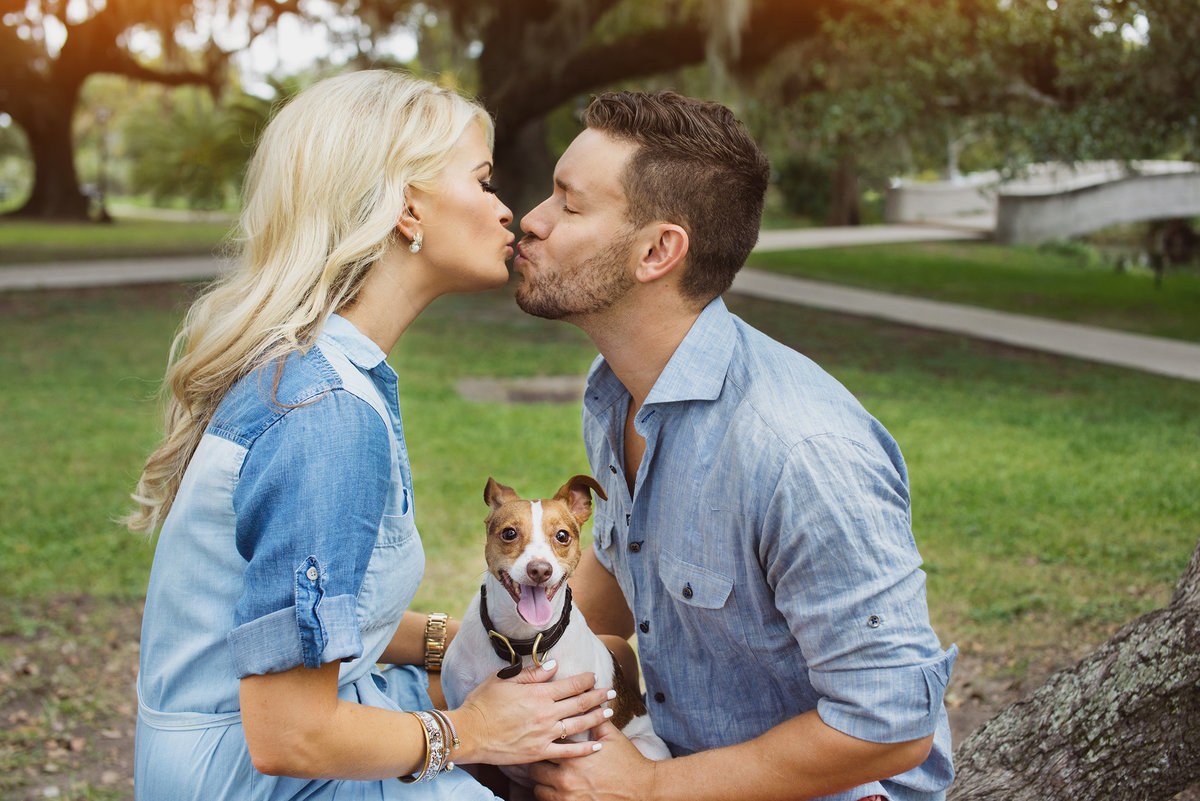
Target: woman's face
462,221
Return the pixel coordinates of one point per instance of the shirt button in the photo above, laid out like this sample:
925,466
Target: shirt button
634,547
613,468
687,591
644,626
660,698
311,573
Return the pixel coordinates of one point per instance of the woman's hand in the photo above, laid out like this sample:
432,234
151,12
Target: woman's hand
521,720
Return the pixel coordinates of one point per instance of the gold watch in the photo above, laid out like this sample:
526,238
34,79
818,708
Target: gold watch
435,640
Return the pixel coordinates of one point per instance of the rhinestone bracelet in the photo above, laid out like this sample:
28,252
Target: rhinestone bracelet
436,753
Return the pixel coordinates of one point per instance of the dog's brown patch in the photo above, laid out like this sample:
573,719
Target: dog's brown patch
628,703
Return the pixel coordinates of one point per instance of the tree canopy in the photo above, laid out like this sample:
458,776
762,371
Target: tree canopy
871,88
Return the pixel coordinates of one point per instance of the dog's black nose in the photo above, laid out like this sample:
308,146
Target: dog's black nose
539,571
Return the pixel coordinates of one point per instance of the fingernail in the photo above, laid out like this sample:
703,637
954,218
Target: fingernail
612,694
608,713
549,664
596,747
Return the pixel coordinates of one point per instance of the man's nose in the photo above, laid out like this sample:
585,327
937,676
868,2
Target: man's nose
534,223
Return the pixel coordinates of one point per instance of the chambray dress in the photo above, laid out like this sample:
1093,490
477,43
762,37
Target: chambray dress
291,542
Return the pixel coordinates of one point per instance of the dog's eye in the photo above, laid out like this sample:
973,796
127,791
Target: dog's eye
508,535
563,537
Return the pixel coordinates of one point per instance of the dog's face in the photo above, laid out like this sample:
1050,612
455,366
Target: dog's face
533,546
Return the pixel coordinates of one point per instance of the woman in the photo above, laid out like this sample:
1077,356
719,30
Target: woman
288,554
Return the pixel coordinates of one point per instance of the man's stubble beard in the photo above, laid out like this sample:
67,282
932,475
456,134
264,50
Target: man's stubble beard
589,288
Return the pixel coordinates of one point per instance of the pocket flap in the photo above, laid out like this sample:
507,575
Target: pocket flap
693,584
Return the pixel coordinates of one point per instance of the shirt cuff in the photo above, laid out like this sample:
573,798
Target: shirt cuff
885,705
276,642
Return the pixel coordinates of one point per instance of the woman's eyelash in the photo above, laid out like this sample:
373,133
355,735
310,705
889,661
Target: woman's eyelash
488,187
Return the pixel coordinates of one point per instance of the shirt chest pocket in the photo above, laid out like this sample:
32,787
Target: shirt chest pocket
393,573
602,533
704,605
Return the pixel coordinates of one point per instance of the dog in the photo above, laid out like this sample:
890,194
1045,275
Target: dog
523,612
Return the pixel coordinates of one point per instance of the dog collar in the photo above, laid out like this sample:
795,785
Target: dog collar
513,649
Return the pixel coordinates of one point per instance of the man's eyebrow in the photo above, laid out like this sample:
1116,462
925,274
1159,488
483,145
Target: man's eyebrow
566,187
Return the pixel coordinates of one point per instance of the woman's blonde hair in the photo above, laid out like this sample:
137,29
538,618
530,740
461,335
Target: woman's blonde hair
322,197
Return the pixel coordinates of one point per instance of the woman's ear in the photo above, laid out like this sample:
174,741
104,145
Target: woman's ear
665,251
409,224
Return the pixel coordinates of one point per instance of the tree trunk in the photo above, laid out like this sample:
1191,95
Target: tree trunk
55,194
843,201
524,169
1123,723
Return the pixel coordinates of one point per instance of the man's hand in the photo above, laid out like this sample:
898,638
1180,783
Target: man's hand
615,772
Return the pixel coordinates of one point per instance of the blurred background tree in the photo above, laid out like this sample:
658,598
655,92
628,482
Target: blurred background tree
909,87
49,48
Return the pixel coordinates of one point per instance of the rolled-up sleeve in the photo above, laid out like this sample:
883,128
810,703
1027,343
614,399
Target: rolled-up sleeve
308,504
847,577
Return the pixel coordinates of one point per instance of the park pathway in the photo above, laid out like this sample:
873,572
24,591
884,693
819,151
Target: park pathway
1134,351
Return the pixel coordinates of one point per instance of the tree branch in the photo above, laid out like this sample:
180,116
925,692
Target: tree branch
537,87
542,87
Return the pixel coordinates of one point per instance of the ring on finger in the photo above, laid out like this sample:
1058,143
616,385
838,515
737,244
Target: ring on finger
563,728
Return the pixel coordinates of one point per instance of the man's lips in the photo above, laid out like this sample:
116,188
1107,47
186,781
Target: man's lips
522,252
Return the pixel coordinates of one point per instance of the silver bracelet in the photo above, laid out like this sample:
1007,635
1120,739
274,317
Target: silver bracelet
451,734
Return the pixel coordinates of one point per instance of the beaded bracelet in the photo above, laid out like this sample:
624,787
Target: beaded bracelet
436,753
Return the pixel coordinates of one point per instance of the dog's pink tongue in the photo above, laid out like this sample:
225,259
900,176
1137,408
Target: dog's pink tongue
534,606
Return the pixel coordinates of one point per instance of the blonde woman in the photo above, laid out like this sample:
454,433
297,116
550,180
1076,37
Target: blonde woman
287,553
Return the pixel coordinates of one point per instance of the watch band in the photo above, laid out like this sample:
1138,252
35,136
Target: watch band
435,640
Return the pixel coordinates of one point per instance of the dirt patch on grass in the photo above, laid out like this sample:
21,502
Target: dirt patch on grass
67,698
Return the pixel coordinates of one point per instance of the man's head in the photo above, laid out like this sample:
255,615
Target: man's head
658,183
695,166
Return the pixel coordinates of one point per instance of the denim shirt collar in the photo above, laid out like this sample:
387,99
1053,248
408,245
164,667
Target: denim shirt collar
696,370
358,347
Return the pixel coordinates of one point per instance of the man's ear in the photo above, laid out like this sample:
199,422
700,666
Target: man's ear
664,250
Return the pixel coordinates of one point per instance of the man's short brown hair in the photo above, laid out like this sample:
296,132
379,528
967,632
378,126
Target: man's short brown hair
695,166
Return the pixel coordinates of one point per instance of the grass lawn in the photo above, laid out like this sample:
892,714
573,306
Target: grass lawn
1053,499
1046,491
23,242
1044,282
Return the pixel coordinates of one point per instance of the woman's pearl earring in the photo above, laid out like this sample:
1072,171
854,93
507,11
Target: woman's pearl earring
415,247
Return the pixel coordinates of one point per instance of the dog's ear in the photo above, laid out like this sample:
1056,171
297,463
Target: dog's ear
576,495
496,494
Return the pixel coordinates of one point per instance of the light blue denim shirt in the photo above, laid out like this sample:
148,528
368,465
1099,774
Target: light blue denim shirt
767,553
290,542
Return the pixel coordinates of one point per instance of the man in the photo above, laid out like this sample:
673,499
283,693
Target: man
757,536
